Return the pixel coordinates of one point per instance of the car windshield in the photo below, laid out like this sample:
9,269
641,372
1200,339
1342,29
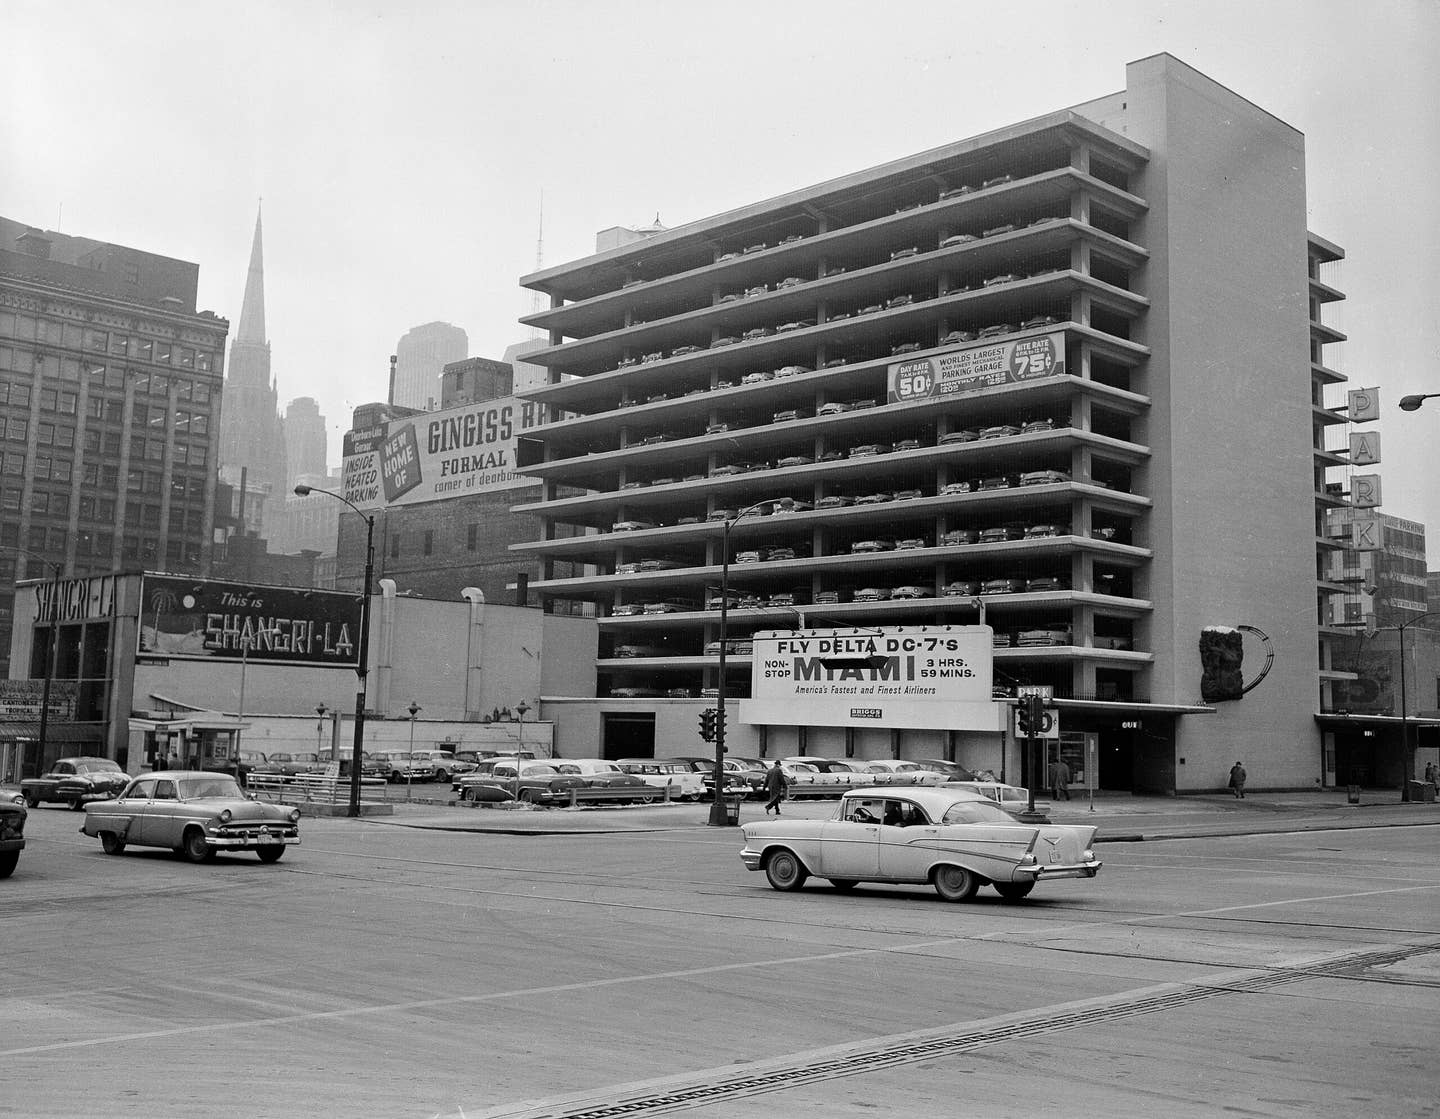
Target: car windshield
97,765
210,785
976,812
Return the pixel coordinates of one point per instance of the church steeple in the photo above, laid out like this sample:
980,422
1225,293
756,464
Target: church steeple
252,311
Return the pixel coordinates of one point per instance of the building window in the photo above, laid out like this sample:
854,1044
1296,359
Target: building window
144,349
472,537
162,353
395,546
17,428
429,542
14,463
47,400
10,499
45,433
200,425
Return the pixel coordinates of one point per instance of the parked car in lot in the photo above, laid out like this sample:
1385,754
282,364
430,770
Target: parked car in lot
951,838
400,765
446,764
679,777
12,836
196,814
538,782
1010,798
290,765
598,773
73,781
950,771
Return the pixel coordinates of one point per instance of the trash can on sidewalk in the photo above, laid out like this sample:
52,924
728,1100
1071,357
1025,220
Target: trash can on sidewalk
1352,794
732,811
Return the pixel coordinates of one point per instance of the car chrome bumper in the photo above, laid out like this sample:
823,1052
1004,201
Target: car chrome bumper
1079,870
252,839
751,859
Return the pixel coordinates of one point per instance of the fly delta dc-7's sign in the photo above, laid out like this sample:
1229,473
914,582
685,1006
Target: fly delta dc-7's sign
977,367
436,455
925,677
204,619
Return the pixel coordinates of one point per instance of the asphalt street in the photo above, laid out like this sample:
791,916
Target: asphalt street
1278,956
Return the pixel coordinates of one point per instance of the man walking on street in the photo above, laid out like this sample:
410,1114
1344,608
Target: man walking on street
775,785
1059,780
1237,780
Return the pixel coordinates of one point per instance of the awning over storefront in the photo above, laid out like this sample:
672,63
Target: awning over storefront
1334,720
55,732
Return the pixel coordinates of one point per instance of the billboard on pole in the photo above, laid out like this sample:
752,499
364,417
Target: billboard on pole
936,677
436,455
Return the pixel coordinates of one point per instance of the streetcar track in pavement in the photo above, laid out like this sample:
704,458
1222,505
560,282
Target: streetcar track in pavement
708,1087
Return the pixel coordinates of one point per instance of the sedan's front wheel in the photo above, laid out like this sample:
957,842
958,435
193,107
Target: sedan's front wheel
195,847
955,883
785,871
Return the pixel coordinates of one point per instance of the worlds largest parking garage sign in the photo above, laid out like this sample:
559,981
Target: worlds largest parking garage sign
933,677
977,367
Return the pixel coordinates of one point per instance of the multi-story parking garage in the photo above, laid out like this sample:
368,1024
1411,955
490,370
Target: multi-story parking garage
1065,378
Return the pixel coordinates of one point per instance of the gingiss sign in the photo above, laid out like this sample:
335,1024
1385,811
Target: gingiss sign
203,619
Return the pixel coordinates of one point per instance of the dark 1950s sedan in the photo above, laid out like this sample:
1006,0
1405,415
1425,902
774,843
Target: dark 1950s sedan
196,814
12,836
73,781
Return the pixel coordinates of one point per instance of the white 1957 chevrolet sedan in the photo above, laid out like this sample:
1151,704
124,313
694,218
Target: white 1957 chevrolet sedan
953,839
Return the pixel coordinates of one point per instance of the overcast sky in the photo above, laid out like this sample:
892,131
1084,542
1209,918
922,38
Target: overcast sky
403,149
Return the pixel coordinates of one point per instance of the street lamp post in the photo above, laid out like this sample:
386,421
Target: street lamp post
362,666
414,710
520,709
1412,403
320,710
717,805
1406,749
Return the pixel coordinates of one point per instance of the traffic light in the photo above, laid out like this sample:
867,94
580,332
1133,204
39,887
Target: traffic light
1022,717
1036,722
707,724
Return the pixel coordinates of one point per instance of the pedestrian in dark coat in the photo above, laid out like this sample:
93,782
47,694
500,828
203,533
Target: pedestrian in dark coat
776,783
1059,780
1237,780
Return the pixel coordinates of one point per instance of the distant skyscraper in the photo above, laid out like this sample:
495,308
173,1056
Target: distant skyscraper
305,448
252,438
420,356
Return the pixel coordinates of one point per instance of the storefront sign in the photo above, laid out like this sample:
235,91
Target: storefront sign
454,453
924,676
75,600
977,367
210,620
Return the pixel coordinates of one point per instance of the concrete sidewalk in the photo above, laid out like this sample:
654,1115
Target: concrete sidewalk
1120,817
